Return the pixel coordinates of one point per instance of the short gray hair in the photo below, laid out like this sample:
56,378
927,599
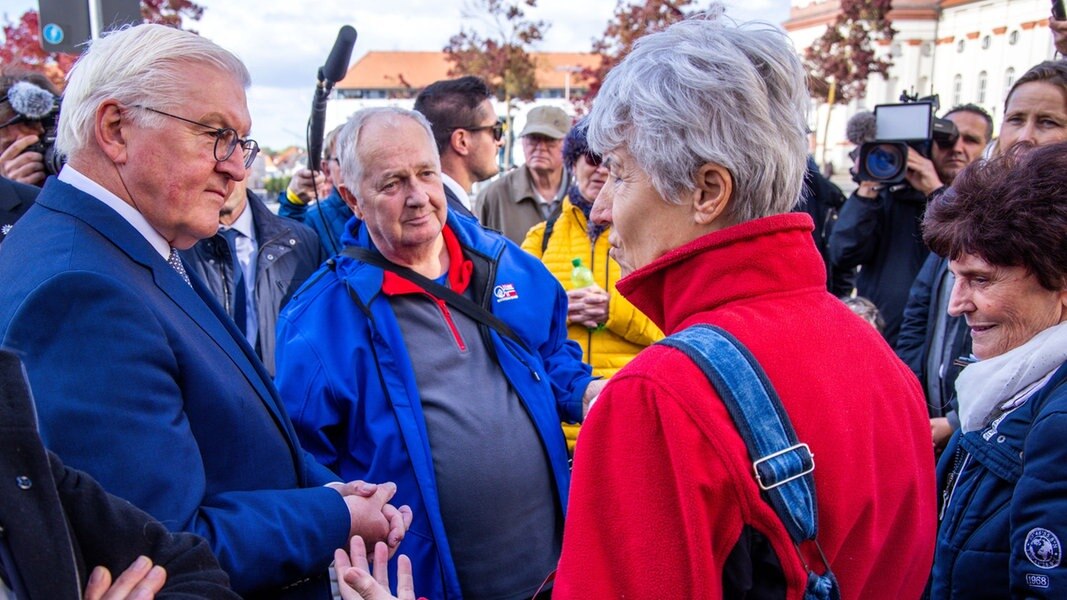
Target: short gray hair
709,90
136,65
348,141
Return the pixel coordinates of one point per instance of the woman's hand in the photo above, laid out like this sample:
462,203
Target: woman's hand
354,578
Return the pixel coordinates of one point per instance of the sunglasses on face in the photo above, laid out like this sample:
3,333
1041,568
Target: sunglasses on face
594,159
497,129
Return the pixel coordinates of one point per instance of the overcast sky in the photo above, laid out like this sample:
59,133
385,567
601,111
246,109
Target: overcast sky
284,42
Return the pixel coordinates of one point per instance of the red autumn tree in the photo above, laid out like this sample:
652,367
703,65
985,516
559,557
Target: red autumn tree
21,46
628,23
500,53
845,53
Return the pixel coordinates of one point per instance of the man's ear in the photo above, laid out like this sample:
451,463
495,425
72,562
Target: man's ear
460,142
107,127
350,200
714,190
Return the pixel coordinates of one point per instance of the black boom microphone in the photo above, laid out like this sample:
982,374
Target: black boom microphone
330,73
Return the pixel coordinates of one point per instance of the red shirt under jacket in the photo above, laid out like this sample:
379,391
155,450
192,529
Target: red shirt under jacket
662,485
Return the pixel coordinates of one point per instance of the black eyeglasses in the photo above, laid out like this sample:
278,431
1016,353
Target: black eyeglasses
226,139
594,159
498,130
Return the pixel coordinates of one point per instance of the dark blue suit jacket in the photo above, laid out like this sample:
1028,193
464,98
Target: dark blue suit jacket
15,199
142,381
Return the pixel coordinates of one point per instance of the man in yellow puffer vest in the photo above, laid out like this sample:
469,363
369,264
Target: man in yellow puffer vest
610,330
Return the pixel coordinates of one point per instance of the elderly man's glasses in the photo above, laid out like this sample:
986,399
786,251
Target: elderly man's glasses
497,128
226,139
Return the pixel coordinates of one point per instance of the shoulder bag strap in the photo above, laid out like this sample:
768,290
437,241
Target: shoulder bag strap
783,466
457,301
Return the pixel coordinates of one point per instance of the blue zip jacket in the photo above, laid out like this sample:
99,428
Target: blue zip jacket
347,379
1004,522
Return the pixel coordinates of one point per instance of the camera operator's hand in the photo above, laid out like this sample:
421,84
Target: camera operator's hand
23,167
869,190
1059,34
921,173
304,184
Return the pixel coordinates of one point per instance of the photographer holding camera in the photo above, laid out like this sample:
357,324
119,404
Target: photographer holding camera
879,225
29,106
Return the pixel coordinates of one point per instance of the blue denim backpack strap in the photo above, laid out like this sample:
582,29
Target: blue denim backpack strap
783,467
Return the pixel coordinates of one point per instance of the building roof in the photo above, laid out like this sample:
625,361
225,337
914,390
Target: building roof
416,70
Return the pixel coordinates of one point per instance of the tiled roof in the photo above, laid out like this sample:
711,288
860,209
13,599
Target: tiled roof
398,70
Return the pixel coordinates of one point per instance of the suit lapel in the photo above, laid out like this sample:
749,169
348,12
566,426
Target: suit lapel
196,301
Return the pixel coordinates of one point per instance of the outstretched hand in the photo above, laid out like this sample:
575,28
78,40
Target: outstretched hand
140,581
354,578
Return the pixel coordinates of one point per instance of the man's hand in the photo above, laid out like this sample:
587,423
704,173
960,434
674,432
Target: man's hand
304,183
587,306
24,167
941,431
140,581
868,190
354,578
921,173
1059,34
592,392
372,517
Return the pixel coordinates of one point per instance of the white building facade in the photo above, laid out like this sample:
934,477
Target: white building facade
965,51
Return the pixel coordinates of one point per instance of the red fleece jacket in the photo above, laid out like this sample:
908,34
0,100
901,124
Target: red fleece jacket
662,485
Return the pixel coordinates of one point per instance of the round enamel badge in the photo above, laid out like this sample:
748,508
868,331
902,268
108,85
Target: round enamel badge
1043,548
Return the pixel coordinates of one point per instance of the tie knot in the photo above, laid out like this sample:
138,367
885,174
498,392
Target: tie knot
230,234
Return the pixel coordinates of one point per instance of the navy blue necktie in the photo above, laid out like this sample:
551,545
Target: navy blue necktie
238,293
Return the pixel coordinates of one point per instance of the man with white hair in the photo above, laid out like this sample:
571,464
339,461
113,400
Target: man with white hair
140,377
434,353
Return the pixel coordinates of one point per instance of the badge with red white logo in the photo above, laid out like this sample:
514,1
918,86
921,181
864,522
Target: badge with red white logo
505,292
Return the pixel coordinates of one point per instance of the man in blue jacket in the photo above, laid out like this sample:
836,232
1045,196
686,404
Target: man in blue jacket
141,378
459,401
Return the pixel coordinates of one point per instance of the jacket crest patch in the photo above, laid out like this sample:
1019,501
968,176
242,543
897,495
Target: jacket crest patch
505,292
1042,548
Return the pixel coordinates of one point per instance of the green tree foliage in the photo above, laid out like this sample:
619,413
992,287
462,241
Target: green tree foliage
845,53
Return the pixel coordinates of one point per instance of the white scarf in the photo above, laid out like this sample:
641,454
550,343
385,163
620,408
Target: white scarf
983,386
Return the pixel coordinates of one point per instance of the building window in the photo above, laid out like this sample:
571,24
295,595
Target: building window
924,86
982,79
1009,79
959,46
1013,37
986,41
891,89
895,49
957,90
927,49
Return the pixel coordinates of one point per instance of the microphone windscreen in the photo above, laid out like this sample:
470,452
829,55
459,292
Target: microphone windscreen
337,63
862,128
30,100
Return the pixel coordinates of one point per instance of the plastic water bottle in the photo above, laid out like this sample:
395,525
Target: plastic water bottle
581,276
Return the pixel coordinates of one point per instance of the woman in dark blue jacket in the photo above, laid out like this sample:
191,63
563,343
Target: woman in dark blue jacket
1003,227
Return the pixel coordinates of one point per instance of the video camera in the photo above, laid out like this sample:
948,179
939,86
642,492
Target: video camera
31,103
898,127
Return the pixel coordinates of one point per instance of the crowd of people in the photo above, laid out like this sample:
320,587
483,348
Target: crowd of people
385,381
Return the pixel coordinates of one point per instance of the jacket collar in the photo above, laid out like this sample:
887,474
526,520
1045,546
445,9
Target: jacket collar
773,255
